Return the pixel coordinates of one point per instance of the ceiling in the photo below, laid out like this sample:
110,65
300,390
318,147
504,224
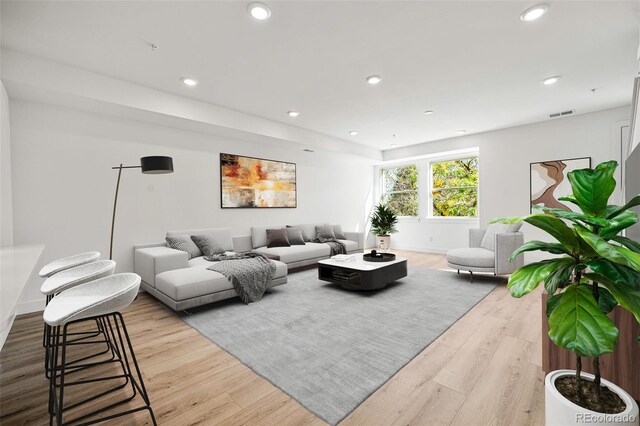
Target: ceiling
474,63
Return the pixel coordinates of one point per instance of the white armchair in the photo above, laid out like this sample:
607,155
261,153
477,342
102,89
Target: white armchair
489,250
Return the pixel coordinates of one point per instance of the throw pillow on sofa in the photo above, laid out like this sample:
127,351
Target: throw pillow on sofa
207,244
489,240
277,238
337,230
305,237
325,233
183,243
295,236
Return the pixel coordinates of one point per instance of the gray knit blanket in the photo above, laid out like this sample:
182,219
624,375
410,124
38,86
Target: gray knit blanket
250,273
336,246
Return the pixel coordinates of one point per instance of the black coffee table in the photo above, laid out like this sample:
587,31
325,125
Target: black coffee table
362,275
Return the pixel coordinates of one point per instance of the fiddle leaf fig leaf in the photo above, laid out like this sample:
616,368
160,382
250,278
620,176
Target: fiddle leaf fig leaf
593,187
552,303
617,223
555,248
614,253
578,324
527,278
558,277
635,201
628,243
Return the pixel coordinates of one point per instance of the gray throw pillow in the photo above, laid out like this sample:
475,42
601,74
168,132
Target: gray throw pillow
305,237
337,230
207,244
489,239
183,243
277,238
295,236
325,233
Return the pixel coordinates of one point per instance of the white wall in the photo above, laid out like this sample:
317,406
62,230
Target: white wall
63,184
504,166
6,213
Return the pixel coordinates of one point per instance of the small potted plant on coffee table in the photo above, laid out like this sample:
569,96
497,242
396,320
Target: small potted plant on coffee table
596,270
383,224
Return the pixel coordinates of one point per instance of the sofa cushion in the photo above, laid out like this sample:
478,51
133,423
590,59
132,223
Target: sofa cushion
207,244
296,253
187,283
183,243
277,238
489,239
295,236
259,234
473,256
349,245
222,235
325,233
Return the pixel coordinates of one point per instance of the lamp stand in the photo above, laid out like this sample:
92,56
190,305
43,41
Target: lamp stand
115,204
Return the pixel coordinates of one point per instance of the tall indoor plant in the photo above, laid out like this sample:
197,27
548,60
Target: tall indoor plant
596,270
383,224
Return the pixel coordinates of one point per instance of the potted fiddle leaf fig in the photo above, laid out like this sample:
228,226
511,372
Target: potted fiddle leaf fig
596,270
383,224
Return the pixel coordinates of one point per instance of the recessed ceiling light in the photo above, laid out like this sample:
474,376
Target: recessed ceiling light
353,132
293,113
428,112
374,79
462,132
189,81
308,150
393,145
260,11
551,80
534,12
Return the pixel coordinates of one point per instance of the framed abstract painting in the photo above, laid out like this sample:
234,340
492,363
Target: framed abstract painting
549,182
247,182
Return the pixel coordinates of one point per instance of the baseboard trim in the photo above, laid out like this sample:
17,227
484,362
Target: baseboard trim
30,306
435,250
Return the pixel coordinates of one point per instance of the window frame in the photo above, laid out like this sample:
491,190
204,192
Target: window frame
432,162
383,193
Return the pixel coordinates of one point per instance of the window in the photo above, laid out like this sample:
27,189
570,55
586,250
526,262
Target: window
454,188
400,189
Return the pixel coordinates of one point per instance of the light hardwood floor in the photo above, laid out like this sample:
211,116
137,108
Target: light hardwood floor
484,370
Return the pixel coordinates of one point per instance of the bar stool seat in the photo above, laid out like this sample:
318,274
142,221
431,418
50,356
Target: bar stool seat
68,262
98,300
72,277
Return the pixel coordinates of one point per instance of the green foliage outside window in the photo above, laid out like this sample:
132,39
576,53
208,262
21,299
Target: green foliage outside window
455,187
400,189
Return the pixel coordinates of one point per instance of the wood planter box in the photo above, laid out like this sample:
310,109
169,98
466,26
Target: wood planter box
621,367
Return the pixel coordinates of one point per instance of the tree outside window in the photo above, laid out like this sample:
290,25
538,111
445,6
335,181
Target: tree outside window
454,188
400,189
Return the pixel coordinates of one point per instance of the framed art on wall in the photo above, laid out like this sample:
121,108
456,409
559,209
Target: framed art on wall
549,182
247,182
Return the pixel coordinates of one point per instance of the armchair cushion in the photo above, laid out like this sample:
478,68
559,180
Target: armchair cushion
475,257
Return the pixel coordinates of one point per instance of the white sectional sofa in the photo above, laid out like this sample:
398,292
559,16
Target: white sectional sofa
181,283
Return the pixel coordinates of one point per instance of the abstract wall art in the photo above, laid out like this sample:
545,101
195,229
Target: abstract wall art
549,182
248,182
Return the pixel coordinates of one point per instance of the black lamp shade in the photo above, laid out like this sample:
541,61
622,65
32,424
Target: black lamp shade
156,165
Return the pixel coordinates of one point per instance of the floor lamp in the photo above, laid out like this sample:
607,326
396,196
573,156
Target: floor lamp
150,165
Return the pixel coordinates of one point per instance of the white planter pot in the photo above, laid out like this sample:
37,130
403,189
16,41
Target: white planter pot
559,411
383,242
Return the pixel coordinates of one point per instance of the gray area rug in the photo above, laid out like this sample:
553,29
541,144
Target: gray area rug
330,348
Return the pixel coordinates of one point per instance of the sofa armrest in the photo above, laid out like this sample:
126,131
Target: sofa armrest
476,236
506,244
358,237
149,262
242,243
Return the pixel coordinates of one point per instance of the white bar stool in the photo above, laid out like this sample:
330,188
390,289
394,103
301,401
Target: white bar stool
99,299
64,280
58,265
68,262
